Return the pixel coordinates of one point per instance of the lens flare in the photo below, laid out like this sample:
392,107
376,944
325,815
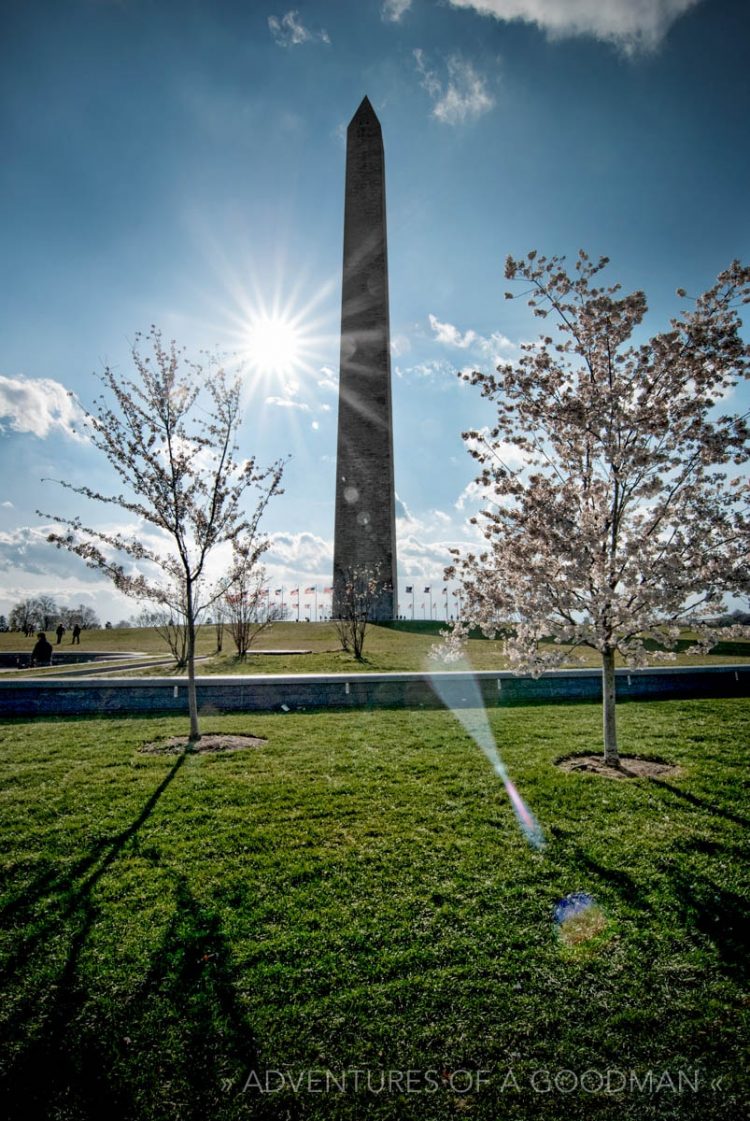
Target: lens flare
460,692
579,918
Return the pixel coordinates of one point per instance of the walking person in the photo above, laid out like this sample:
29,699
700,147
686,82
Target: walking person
76,635
60,632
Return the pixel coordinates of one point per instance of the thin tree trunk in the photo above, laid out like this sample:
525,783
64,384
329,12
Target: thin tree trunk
195,732
611,754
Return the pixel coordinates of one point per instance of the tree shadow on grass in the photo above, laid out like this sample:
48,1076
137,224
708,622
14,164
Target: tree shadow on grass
619,881
718,914
176,1045
61,896
700,803
713,911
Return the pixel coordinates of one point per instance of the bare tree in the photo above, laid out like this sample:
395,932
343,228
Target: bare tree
34,613
617,510
359,596
172,628
245,605
83,615
219,624
24,616
170,435
48,611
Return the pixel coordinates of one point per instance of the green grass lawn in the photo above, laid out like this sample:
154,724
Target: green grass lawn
356,894
399,648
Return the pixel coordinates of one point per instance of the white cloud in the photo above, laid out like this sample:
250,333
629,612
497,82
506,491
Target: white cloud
315,425
463,97
423,547
506,454
40,406
423,559
632,25
491,348
26,549
393,10
8,505
402,511
473,494
400,344
515,459
495,343
25,553
433,371
287,403
449,335
329,379
299,551
289,31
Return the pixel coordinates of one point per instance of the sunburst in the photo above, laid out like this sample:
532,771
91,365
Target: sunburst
274,345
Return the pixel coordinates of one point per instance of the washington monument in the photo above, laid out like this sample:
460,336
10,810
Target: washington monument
365,533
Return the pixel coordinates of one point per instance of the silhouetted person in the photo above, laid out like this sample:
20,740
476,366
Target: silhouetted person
59,632
76,635
41,655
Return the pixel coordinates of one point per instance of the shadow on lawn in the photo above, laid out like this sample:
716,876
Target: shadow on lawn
700,803
56,884
620,882
716,913
175,1045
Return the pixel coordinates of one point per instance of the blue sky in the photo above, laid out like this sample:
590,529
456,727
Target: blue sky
182,163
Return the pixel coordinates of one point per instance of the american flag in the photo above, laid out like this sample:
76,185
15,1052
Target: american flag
294,592
327,591
279,592
409,589
426,590
309,591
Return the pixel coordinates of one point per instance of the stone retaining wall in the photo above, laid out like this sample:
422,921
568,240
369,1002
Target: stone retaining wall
63,656
264,693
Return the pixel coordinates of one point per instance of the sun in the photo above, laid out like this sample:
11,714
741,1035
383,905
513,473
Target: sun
276,333
273,344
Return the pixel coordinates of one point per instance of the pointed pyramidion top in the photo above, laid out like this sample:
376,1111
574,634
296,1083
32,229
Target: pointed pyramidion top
365,114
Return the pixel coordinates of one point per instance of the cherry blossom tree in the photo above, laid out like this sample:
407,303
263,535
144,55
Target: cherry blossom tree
170,435
616,484
245,607
360,589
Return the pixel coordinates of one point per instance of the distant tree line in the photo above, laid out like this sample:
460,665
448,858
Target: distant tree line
40,613
736,618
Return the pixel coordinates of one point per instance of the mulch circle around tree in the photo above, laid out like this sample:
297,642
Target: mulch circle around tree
631,766
206,745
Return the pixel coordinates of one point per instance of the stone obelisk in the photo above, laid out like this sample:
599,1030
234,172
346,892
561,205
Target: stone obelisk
365,533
